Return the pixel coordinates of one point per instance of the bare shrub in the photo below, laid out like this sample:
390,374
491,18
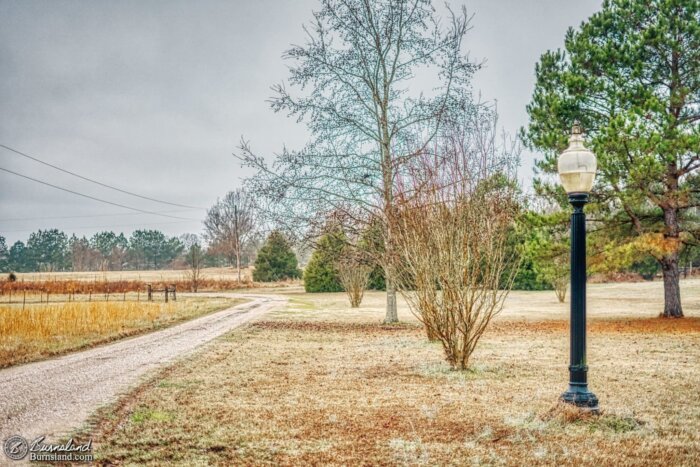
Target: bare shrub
561,285
194,257
194,276
354,276
451,225
454,253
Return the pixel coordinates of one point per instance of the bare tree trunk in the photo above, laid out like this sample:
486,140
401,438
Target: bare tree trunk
392,315
672,289
238,266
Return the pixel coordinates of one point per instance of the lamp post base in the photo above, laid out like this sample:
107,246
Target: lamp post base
582,398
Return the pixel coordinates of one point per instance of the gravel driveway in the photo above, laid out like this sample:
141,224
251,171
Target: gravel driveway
54,397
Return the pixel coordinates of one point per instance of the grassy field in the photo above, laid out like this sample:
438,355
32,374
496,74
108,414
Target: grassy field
321,384
37,331
146,276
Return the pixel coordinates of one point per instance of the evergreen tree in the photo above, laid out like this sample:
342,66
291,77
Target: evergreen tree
631,75
17,258
276,261
4,255
152,249
321,274
47,250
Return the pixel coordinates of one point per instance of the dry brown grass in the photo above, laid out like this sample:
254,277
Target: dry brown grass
143,276
70,285
310,386
40,330
14,291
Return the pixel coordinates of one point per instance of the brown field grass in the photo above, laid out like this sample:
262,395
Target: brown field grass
119,282
40,330
14,291
321,384
226,274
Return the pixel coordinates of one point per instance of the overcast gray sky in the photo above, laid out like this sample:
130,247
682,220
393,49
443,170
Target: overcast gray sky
153,97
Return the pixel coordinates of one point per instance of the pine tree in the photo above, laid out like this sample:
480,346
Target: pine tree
631,75
276,261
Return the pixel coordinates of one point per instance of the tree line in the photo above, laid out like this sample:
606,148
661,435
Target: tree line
230,237
52,250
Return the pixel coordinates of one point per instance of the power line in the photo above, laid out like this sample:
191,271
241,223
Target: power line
95,181
94,198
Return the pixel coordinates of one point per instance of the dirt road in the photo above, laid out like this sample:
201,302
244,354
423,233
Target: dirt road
56,396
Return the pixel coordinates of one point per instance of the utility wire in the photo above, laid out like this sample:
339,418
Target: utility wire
95,199
96,182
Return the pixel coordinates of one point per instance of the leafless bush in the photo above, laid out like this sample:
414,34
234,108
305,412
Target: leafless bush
354,276
194,257
194,276
451,226
561,285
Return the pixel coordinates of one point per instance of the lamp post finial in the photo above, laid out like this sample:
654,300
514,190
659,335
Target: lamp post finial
576,128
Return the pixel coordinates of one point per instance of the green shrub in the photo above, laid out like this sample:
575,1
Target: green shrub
376,279
321,274
647,268
276,261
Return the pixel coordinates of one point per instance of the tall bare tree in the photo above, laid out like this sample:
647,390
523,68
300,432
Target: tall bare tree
360,77
231,224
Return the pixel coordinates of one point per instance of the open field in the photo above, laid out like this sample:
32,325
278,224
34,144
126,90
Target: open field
72,284
164,275
320,383
614,300
40,330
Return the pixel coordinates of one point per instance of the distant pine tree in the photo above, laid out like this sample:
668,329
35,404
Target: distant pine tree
276,261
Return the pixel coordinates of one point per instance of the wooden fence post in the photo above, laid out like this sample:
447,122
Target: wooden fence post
174,292
166,294
150,293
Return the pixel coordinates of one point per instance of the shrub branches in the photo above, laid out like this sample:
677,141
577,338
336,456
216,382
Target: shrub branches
452,225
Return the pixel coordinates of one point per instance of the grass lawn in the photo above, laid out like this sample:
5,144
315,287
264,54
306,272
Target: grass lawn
43,330
321,384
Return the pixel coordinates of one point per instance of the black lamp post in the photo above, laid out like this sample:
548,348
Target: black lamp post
577,167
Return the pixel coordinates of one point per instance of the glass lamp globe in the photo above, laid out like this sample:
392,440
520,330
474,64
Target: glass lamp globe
577,164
